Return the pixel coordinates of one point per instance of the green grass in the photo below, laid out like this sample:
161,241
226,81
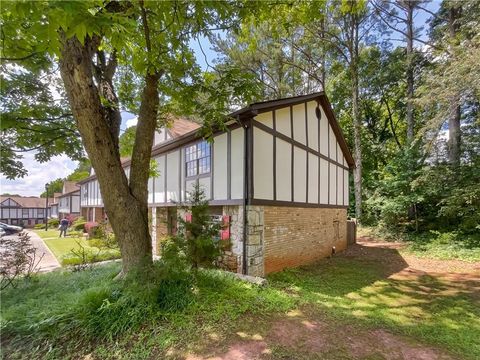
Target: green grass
424,308
64,315
433,244
62,248
67,314
51,233
445,246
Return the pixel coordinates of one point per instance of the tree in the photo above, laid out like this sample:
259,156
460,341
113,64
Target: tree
399,17
33,117
88,40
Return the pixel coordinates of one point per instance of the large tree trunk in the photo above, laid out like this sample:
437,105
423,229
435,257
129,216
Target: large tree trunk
126,206
410,78
454,131
357,130
357,122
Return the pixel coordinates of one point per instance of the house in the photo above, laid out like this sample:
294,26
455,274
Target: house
53,206
69,201
278,178
90,198
23,210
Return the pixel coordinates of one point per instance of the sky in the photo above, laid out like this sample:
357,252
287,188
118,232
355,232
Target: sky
61,166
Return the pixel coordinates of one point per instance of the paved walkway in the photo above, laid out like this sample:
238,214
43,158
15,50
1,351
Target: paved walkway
48,262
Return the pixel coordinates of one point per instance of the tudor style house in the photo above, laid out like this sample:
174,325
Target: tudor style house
68,202
278,178
23,210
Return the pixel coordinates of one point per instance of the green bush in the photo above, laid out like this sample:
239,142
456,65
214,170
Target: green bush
196,237
79,226
53,222
39,226
91,256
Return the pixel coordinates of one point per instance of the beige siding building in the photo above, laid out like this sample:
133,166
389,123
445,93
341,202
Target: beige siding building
278,178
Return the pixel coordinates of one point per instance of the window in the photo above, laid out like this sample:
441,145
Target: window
25,213
197,159
85,191
40,213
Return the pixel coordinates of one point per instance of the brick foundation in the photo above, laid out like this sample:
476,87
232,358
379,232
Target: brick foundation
298,236
277,237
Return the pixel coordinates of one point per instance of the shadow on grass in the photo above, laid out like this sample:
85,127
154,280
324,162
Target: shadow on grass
372,286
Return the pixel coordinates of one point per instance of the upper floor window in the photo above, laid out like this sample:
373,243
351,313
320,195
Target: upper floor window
85,191
197,159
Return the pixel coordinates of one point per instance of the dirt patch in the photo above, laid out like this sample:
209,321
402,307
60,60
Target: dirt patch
370,248
310,333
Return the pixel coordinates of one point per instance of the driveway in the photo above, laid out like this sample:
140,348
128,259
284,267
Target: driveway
48,262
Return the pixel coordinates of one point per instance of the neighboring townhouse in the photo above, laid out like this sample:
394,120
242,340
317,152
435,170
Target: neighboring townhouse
91,202
23,210
53,206
278,179
69,201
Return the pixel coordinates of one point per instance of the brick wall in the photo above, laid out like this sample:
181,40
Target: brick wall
298,236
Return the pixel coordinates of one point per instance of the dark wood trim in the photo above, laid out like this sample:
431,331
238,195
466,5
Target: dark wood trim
210,202
296,143
212,147
180,167
306,155
245,115
294,204
229,164
165,181
327,108
265,106
274,120
292,173
250,160
328,152
226,202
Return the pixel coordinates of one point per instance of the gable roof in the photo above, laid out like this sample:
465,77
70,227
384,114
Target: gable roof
69,187
182,126
246,113
26,201
259,107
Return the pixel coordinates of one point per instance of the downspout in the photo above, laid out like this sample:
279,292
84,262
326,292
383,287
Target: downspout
245,195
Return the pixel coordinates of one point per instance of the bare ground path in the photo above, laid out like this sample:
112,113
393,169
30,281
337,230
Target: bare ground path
311,333
48,262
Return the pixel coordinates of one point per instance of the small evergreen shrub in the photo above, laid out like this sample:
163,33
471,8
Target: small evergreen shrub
197,237
53,222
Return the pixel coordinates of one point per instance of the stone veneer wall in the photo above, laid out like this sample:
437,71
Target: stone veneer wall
296,236
255,240
231,257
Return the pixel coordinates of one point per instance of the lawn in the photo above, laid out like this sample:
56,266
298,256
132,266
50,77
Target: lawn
52,233
360,304
62,248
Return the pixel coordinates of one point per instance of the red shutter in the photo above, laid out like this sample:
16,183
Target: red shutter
225,232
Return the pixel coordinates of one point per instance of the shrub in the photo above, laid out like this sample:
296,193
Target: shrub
81,260
17,258
196,238
79,226
39,226
90,228
53,222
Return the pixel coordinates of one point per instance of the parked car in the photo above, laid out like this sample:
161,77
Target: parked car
10,229
2,232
